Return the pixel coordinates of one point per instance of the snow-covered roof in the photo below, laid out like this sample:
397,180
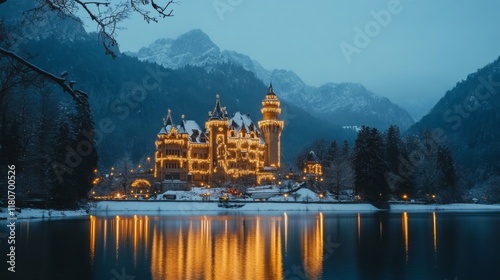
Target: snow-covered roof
189,127
192,129
312,156
165,129
243,122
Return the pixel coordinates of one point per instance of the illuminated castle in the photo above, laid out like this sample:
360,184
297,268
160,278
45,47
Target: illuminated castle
227,149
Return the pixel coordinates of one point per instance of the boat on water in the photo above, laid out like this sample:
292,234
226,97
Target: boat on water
230,205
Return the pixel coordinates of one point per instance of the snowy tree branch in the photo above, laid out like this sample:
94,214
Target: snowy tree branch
61,81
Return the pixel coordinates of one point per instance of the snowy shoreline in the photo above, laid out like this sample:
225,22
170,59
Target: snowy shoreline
29,213
171,206
195,206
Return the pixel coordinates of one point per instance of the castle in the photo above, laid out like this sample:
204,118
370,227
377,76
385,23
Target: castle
227,149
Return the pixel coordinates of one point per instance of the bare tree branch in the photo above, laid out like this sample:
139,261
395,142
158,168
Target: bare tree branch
76,94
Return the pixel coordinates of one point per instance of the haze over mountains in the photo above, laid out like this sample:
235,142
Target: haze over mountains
62,45
345,104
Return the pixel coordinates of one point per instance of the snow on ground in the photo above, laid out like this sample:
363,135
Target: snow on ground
213,206
444,207
29,213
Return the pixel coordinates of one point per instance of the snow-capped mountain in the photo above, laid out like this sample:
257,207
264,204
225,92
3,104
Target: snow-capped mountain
348,104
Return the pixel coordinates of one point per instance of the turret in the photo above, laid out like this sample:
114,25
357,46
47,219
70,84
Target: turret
217,126
271,128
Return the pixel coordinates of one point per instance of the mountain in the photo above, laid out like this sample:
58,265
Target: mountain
342,104
469,117
65,29
129,97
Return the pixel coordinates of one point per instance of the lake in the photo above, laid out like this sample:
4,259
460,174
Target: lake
259,245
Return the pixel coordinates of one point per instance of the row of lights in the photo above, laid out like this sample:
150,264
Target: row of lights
131,170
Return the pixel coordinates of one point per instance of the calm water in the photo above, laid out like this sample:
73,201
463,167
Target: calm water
259,246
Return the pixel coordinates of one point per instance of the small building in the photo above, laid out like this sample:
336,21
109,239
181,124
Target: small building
313,170
174,185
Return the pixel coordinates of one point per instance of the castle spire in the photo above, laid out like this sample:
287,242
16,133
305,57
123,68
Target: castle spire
219,112
168,119
270,91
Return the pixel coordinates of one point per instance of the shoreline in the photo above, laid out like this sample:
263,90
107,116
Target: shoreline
173,207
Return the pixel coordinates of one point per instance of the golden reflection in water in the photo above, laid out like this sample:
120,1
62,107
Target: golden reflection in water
128,230
105,232
218,248
405,232
92,239
312,248
117,235
435,231
359,227
286,231
380,229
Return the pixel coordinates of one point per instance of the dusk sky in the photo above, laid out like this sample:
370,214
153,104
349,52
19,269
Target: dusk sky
409,51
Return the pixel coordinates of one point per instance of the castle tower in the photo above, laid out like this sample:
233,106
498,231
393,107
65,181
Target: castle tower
271,127
216,126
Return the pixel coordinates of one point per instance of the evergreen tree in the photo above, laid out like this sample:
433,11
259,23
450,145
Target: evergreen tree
369,166
393,148
447,177
63,191
84,145
332,153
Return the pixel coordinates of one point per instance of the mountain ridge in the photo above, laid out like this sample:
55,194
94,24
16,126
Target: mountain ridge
196,48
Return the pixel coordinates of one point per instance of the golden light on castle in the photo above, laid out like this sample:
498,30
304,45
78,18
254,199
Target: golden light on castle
228,147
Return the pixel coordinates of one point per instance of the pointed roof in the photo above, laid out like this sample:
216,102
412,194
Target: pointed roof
243,122
270,91
312,157
168,119
219,112
167,123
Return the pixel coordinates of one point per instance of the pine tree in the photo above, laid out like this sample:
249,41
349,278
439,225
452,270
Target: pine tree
393,148
332,153
370,166
85,146
63,191
447,177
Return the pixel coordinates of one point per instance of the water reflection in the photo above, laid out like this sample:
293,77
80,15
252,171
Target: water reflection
281,246
312,248
404,225
262,246
434,228
213,247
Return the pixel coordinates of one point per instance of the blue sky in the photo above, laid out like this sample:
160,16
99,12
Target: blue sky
412,53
